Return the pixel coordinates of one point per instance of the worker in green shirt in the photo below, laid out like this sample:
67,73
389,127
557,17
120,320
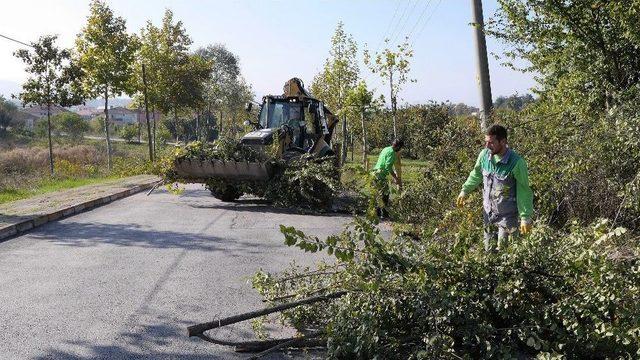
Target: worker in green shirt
388,159
506,195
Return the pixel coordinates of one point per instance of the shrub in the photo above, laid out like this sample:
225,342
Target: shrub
571,293
129,133
70,124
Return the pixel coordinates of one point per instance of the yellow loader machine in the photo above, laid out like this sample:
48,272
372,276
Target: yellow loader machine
300,124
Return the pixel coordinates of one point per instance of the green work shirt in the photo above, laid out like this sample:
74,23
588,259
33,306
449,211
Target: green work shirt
524,194
385,162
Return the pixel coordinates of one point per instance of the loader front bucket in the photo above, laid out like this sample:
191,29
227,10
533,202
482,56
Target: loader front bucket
200,171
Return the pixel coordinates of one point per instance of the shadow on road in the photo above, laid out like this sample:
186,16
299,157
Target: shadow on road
12,219
149,342
158,341
133,235
262,206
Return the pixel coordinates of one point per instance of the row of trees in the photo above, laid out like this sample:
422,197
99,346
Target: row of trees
155,67
365,118
343,89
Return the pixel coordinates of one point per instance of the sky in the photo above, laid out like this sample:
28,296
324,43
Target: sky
278,40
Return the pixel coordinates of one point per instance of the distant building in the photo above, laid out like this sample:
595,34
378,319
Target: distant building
30,115
25,119
142,118
41,111
87,112
122,116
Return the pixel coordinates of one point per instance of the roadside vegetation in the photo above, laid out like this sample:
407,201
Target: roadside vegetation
186,96
24,165
427,290
569,289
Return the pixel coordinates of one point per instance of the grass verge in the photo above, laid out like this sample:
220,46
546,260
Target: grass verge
48,185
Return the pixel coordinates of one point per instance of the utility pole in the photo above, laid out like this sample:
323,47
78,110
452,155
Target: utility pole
484,82
146,113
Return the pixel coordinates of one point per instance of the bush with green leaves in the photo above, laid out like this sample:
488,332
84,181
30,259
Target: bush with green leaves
129,133
69,124
551,293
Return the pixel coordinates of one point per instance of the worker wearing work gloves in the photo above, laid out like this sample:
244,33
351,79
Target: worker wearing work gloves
388,159
506,194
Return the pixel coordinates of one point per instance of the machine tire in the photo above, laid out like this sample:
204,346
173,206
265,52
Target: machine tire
226,193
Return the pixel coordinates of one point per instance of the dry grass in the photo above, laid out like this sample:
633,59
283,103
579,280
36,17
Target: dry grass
24,167
36,159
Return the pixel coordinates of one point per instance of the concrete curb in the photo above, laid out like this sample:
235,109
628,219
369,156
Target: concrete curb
23,226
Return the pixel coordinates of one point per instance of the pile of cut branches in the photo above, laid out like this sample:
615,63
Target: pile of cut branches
306,182
552,294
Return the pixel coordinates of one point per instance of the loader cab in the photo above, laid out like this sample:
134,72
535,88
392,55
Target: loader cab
278,112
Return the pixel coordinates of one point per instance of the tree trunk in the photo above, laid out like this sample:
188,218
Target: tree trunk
175,123
197,125
351,143
153,112
146,114
343,156
393,105
220,124
106,126
365,158
49,137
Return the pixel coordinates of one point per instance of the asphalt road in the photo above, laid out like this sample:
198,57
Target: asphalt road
124,280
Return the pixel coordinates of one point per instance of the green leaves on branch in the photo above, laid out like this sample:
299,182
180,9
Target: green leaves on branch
547,294
586,52
294,237
105,53
54,80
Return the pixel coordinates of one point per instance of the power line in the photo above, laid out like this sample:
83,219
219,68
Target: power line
14,40
378,81
388,26
397,26
426,22
424,11
401,30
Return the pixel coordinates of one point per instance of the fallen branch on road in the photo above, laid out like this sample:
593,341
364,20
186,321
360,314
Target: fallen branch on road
266,346
155,186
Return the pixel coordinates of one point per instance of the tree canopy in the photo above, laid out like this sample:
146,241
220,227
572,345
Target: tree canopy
586,53
105,52
53,81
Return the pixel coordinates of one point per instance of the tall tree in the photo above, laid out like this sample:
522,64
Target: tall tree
106,54
178,75
586,53
338,77
149,64
393,68
360,101
53,81
8,112
223,81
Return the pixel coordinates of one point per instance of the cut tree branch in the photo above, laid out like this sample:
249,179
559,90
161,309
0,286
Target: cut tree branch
198,329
